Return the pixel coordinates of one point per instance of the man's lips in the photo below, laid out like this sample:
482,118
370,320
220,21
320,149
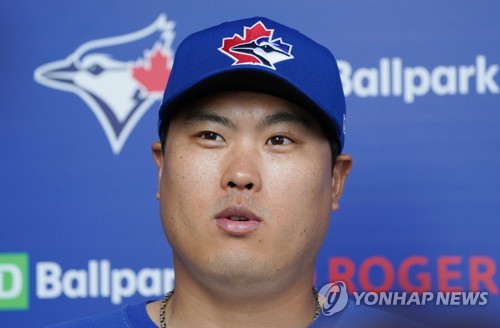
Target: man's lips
237,220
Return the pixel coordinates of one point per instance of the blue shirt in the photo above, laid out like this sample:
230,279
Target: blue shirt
135,316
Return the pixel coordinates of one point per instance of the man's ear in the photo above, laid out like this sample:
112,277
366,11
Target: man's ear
158,158
343,165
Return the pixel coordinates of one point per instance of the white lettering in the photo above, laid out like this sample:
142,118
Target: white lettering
399,298
385,298
464,74
427,297
455,298
74,283
168,280
484,299
417,83
345,70
48,284
93,279
443,298
358,297
470,298
374,298
397,73
449,85
485,76
105,269
392,78
99,280
149,282
16,278
365,82
124,284
385,86
414,299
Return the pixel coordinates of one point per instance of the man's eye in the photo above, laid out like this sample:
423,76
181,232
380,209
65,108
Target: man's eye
210,136
279,140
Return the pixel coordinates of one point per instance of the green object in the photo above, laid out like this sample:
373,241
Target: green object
14,279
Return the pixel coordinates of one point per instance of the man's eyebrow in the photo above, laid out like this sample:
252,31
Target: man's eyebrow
283,117
196,116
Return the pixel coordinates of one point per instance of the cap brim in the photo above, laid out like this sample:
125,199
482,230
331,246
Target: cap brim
248,80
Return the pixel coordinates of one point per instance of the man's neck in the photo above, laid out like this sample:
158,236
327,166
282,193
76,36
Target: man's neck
194,306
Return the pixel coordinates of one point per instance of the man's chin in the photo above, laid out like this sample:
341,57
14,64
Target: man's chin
243,274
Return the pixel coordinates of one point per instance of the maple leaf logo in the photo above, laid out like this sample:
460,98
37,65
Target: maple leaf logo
256,47
153,74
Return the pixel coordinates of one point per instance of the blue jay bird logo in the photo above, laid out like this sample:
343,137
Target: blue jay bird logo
119,78
256,47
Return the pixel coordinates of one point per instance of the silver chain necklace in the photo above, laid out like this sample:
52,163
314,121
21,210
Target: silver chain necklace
163,318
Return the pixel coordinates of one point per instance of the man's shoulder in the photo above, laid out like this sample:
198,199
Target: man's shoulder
112,319
129,316
357,316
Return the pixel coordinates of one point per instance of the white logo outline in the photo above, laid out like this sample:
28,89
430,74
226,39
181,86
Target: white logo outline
116,140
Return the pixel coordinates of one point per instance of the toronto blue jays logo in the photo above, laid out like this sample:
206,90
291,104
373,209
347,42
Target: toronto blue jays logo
118,77
256,47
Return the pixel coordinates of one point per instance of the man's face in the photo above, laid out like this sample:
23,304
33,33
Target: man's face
246,189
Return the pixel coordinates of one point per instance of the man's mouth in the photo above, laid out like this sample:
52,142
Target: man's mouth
237,218
237,221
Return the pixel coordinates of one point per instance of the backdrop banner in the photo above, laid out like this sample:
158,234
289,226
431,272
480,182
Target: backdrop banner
81,84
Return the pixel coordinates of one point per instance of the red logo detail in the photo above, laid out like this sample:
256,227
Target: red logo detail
154,72
250,33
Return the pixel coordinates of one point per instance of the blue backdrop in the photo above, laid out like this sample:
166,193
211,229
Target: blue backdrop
80,230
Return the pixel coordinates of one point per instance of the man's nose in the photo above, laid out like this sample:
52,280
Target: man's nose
241,171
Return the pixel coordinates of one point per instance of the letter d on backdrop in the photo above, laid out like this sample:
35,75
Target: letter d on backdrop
14,291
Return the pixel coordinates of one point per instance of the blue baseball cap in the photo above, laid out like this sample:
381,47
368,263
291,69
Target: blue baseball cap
258,54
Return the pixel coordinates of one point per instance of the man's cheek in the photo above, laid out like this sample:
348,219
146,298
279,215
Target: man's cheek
312,197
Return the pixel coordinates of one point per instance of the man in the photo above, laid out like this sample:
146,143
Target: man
249,169
246,176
